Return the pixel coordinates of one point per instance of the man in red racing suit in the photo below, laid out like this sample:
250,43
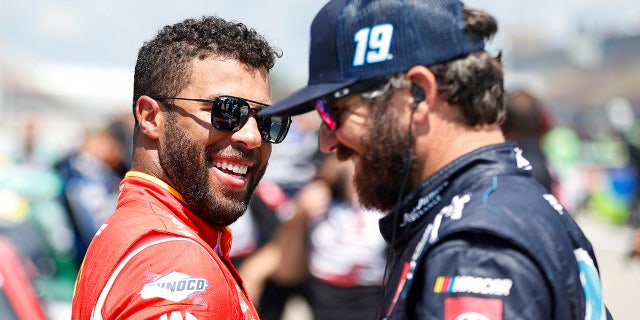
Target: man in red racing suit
199,152
161,265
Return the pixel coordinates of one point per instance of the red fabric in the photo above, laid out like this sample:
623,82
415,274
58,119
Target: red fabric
472,308
189,276
16,284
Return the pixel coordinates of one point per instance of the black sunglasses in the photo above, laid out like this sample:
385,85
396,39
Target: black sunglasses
229,114
322,103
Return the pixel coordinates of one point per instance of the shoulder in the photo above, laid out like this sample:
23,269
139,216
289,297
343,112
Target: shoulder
161,274
482,271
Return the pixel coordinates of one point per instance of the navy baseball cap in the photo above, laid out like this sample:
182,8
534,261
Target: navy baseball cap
355,40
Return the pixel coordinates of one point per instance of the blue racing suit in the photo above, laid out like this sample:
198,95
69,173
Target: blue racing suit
481,239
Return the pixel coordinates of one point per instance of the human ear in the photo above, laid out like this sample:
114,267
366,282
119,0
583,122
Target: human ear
418,95
422,79
149,116
424,89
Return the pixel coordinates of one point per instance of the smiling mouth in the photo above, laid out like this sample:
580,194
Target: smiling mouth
232,168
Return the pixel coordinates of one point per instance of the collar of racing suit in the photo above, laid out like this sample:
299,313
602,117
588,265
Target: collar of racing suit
408,217
219,238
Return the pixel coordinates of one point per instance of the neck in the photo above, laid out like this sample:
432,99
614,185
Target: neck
452,143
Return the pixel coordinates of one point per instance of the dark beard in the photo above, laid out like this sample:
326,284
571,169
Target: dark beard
186,163
384,161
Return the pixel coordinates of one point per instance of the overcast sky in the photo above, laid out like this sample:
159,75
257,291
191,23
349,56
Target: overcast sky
109,33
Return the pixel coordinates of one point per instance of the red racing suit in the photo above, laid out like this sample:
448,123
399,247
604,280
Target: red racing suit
155,259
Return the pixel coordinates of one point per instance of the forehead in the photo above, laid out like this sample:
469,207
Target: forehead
217,76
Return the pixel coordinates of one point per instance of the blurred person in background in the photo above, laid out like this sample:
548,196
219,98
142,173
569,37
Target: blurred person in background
407,92
122,128
199,153
526,122
28,153
90,179
331,246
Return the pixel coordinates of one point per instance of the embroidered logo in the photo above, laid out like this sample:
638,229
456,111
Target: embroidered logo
521,161
452,211
424,204
477,285
175,286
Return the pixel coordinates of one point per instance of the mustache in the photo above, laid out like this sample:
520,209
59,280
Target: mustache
233,152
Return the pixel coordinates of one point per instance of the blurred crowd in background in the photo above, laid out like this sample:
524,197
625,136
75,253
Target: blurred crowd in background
60,168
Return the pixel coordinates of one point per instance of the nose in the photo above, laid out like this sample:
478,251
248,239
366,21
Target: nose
248,135
327,139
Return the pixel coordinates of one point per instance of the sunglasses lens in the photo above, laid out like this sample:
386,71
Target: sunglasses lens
325,113
229,113
274,129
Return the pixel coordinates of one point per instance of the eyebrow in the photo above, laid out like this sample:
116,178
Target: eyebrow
203,100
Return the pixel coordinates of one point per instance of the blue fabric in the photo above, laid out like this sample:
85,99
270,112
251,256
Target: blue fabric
355,40
487,196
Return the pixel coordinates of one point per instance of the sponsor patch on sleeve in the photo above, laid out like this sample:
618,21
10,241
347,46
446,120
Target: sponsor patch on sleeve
468,284
472,308
175,286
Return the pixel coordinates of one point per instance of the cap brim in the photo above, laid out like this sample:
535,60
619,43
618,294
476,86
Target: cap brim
299,102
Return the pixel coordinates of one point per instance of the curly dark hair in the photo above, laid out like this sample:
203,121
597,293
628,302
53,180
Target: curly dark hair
163,65
475,82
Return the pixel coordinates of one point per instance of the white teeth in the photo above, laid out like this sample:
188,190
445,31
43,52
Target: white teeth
236,168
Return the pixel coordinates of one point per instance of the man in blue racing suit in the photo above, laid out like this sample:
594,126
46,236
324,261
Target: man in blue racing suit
481,236
407,92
